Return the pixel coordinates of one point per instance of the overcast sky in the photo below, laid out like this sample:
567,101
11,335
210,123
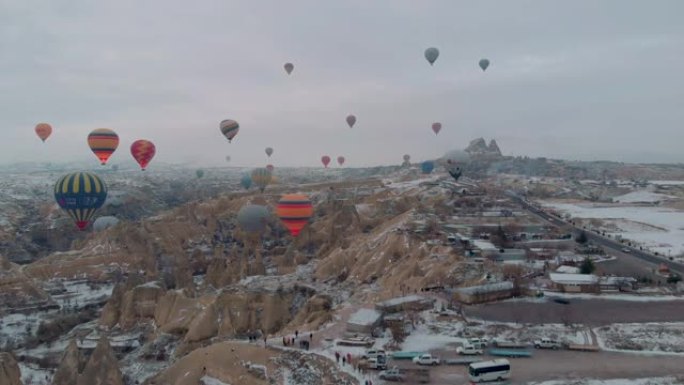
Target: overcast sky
568,79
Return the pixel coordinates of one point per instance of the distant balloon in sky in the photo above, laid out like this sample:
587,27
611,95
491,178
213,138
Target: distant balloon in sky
261,177
294,210
143,151
270,167
228,158
427,166
436,127
253,218
325,160
80,194
407,157
43,130
246,181
288,67
340,160
431,55
351,120
269,151
103,142
229,128
484,63
199,173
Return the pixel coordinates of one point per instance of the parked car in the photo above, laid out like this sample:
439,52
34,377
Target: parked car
561,300
392,375
426,359
547,343
480,343
378,362
468,349
626,250
372,353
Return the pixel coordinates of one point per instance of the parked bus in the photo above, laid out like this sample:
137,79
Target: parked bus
495,370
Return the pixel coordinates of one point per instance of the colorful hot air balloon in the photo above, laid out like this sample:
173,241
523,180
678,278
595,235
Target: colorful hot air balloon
288,67
43,130
484,63
340,160
294,210
80,194
431,55
229,128
270,167
325,160
351,120
143,151
436,127
246,181
427,166
269,151
262,177
253,218
103,142
199,173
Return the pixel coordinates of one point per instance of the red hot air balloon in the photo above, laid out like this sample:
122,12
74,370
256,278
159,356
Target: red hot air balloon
294,210
325,160
43,130
340,160
436,127
270,167
143,151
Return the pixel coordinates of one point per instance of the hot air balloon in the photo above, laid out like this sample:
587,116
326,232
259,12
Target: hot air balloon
261,177
43,130
228,158
229,128
246,181
294,210
143,151
407,157
436,127
427,166
288,67
340,160
80,194
351,120
253,218
325,160
269,151
455,172
199,173
484,63
103,142
431,55
270,167
103,223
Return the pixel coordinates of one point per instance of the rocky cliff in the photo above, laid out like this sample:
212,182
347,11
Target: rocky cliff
102,367
9,370
69,367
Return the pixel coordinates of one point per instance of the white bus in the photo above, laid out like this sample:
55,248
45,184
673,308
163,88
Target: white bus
495,370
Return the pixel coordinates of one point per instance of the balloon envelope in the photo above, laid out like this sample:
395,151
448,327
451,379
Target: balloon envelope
288,67
351,120
246,181
261,177
106,222
431,54
269,151
294,210
325,160
484,63
427,167
103,142
80,194
143,151
229,128
253,218
270,167
407,157
436,127
340,160
43,130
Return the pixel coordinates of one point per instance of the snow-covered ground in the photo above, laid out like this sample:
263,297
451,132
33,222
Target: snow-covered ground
617,381
31,374
206,380
641,196
648,337
665,234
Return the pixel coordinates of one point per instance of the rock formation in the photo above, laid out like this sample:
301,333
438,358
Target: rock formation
494,148
129,305
102,367
69,367
479,148
9,370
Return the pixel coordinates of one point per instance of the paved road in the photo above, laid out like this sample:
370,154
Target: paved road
598,239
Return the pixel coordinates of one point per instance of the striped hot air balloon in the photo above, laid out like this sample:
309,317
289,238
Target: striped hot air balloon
143,151
262,177
294,210
80,194
103,142
229,128
43,130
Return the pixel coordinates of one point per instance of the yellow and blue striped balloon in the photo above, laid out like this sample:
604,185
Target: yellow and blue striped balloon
80,194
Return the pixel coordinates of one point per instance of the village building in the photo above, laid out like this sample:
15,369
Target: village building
484,293
574,283
407,303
